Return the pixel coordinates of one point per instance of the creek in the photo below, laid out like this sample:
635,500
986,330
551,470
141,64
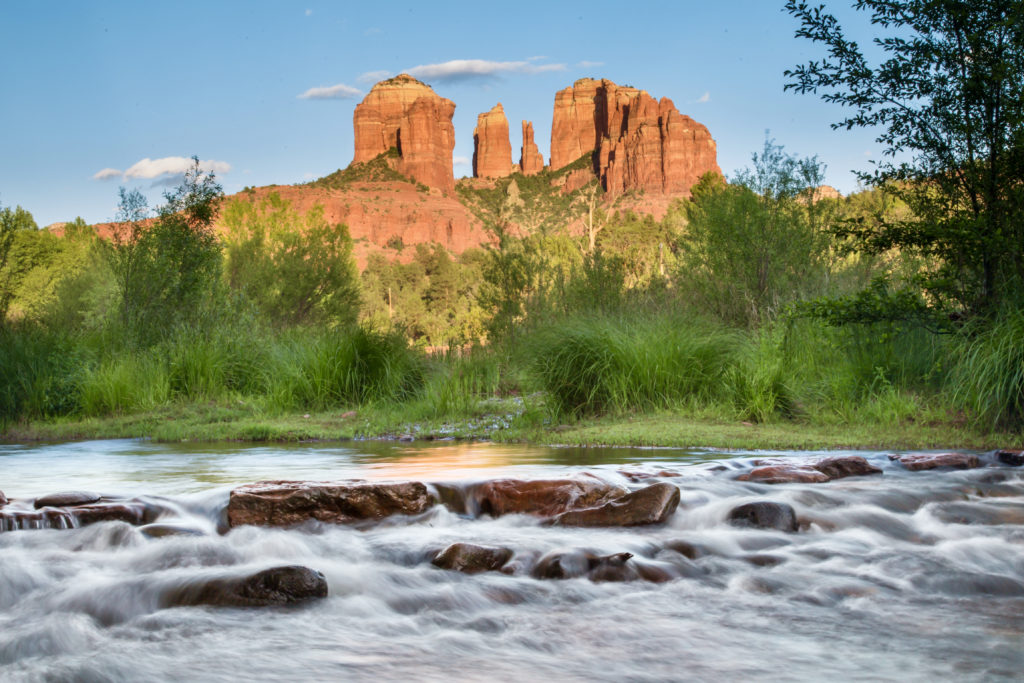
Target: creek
914,575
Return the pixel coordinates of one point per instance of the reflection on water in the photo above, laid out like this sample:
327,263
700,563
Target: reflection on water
908,575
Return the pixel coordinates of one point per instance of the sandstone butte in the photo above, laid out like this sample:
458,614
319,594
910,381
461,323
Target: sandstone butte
530,159
637,142
492,151
407,115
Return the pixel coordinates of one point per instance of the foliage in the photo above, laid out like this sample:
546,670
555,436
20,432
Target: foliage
296,268
948,102
988,378
167,270
379,169
755,245
14,223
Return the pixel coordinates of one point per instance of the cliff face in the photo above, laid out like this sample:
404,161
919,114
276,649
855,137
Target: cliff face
530,159
638,142
406,114
492,150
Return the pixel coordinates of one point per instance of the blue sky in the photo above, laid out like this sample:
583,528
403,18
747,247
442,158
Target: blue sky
101,94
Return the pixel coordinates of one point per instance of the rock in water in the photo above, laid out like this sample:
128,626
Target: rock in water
784,474
530,160
286,503
276,586
542,497
574,563
916,462
405,114
636,142
67,499
838,467
1007,457
3,499
651,505
471,559
492,150
764,515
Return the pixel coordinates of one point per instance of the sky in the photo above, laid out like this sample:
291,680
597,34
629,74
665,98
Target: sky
97,95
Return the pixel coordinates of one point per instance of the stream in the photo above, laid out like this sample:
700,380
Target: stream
911,575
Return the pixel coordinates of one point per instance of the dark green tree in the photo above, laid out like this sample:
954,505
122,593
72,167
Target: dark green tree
12,222
948,102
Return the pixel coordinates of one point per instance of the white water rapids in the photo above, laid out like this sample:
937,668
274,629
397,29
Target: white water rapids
907,575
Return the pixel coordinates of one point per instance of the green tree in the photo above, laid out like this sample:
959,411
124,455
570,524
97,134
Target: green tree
167,270
297,268
948,100
13,222
756,244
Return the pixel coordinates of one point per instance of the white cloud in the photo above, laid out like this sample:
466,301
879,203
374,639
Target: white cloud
462,69
331,92
309,12
705,98
586,65
535,59
154,168
461,161
373,76
107,174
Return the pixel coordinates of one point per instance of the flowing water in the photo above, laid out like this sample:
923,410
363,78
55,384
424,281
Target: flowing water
909,575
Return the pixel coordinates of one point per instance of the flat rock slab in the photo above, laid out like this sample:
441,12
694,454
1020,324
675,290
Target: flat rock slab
472,559
653,504
275,586
542,497
48,517
917,462
764,515
67,499
777,471
287,503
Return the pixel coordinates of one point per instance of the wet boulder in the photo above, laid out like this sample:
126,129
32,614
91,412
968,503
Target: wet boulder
917,462
165,529
287,503
275,586
3,499
541,497
576,563
764,515
653,504
67,499
472,559
1007,457
841,466
133,512
784,474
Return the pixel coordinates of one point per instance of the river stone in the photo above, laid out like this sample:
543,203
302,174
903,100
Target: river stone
471,559
916,462
784,474
67,499
160,530
132,512
841,466
574,563
764,515
542,497
286,503
276,586
3,499
1011,458
653,504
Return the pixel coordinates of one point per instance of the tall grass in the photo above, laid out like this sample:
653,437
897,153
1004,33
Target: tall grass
988,378
40,372
615,364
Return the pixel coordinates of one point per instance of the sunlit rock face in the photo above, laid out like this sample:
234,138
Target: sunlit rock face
637,142
531,161
492,151
407,115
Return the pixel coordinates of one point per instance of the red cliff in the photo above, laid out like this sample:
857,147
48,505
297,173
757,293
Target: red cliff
407,115
638,143
530,159
492,150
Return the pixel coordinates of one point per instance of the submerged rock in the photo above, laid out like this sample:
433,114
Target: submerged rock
764,515
67,499
160,530
275,586
776,471
287,503
838,467
1011,458
916,462
575,563
541,497
653,504
471,559
133,512
784,474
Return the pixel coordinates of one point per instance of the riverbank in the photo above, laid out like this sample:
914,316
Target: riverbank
507,420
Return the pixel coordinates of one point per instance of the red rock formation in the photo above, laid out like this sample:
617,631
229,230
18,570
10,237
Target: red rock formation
492,151
637,141
408,115
530,159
